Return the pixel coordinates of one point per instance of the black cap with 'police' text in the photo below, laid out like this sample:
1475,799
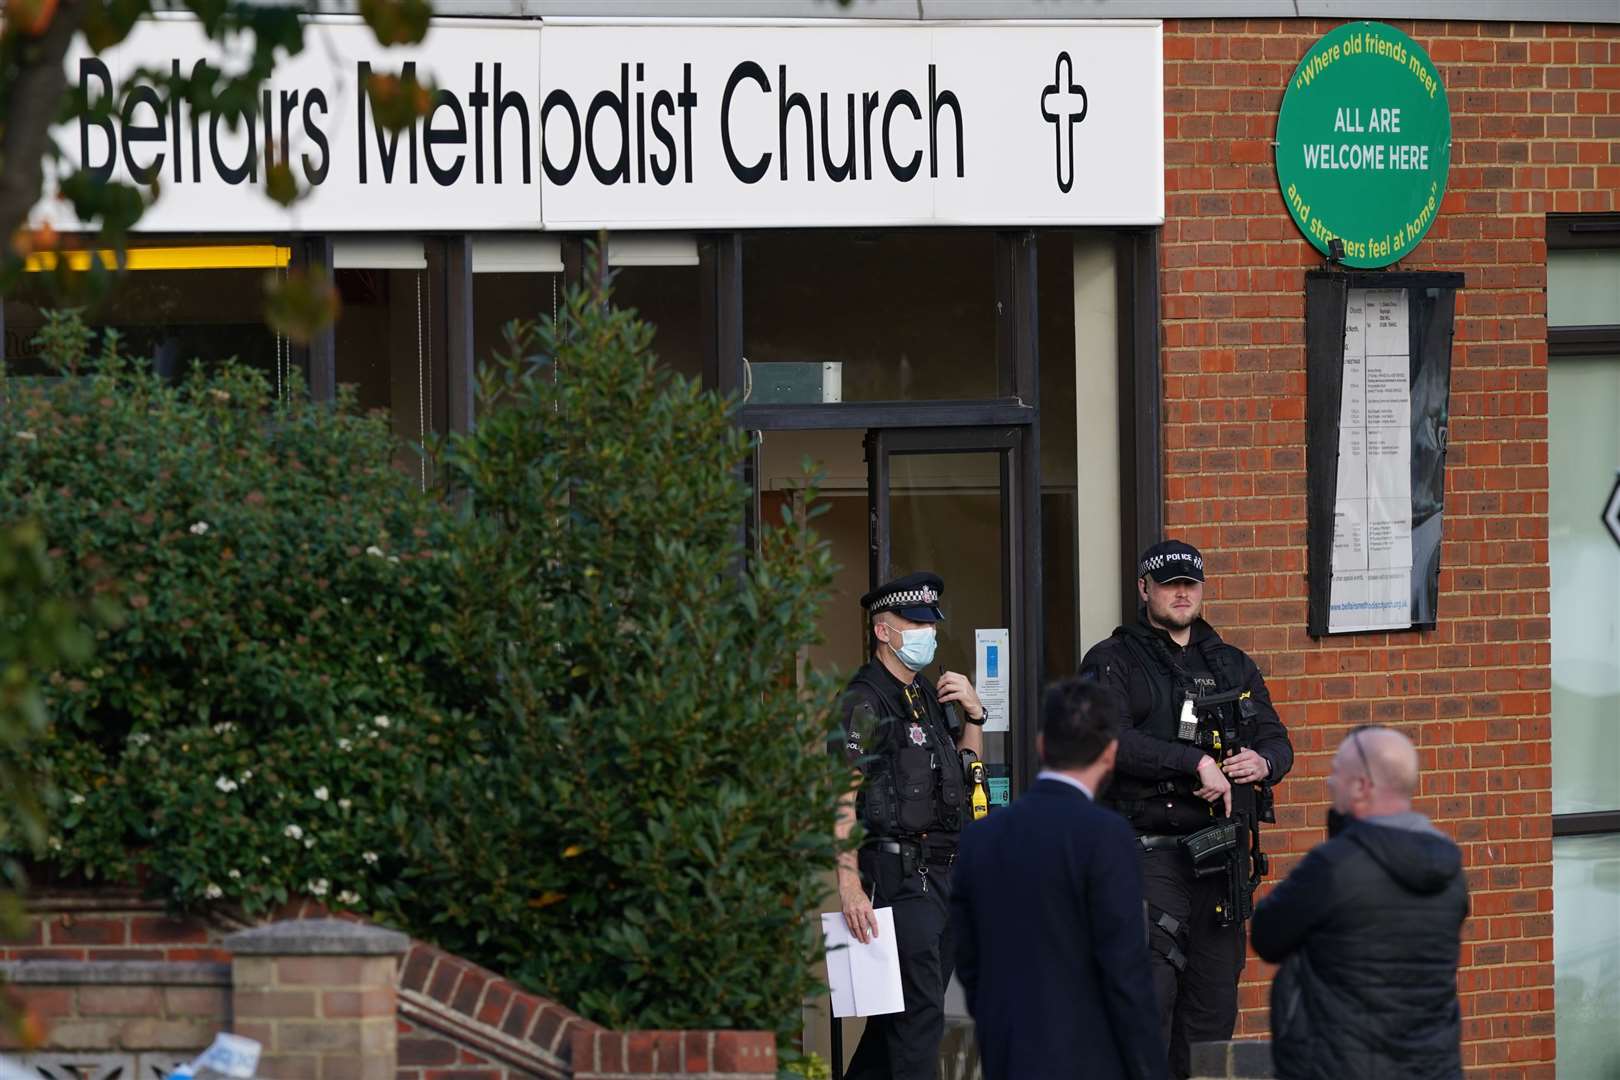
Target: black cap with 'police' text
914,597
1171,560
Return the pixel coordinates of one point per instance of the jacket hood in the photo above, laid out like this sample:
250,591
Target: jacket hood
1421,860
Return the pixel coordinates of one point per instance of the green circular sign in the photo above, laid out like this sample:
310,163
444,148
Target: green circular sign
1364,143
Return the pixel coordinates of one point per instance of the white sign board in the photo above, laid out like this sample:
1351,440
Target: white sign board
574,125
1372,513
471,164
683,126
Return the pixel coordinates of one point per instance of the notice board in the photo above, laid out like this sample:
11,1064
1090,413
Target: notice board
1378,387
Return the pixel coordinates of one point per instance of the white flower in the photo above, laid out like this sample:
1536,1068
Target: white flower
220,395
224,728
75,798
381,659
322,794
55,843
293,832
393,558
345,744
199,528
235,875
139,738
26,436
344,804
213,892
225,784
344,600
370,857
309,842
348,896
381,721
265,859
375,552
318,887
247,774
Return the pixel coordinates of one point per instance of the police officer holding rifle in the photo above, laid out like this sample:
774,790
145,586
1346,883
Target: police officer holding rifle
1195,767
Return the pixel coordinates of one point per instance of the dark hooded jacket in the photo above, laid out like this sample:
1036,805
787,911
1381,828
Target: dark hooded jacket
1368,929
1153,778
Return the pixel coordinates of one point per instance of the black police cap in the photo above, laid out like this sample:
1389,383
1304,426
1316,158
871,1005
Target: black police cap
914,597
1171,560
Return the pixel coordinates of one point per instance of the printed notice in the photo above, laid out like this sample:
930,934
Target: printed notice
1372,512
992,676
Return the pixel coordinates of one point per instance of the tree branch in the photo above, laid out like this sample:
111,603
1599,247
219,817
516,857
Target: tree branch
33,101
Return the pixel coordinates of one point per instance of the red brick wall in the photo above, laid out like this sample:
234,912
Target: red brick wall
454,1020
1536,129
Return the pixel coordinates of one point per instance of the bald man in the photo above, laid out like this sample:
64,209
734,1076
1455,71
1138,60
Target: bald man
1368,929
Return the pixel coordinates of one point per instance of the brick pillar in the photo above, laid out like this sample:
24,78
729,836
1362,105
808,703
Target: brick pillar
319,995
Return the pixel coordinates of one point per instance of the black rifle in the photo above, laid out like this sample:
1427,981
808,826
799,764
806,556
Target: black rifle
1232,845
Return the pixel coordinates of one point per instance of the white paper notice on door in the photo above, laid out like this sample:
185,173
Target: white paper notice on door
1372,509
864,979
992,675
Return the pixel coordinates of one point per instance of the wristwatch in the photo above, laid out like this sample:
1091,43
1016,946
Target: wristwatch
983,716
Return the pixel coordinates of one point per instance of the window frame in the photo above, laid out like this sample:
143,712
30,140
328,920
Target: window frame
1583,232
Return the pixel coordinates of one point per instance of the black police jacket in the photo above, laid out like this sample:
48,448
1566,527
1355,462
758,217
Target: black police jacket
1152,673
905,747
1368,929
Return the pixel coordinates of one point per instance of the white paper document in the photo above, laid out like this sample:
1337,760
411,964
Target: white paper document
1372,511
991,676
864,979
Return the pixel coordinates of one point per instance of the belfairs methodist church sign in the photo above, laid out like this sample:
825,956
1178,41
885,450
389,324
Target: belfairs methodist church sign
1363,143
573,124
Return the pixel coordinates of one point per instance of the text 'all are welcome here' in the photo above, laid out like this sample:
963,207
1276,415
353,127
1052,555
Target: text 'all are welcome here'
1373,97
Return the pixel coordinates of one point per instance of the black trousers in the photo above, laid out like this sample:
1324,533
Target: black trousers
905,1045
1196,969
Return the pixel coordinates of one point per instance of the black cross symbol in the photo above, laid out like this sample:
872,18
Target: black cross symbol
1062,116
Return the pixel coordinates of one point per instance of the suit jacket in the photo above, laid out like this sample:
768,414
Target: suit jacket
1051,941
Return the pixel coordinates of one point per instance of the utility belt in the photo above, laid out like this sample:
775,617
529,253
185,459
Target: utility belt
1231,846
919,852
1207,848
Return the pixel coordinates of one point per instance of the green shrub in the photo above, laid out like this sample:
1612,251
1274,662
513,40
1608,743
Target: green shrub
283,585
40,629
647,803
548,720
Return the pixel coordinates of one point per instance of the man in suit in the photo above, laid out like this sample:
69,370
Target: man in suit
1051,939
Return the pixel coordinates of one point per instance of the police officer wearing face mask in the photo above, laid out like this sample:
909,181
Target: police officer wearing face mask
903,734
1201,750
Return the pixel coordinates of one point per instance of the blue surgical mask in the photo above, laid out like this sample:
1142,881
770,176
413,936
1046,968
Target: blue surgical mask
916,649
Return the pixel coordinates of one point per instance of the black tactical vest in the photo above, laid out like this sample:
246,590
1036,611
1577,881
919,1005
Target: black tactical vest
913,774
1169,806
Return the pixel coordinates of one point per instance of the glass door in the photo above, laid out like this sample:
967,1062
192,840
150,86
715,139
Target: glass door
948,500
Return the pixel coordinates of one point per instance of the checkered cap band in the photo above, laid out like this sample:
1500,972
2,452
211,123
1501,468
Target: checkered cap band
908,598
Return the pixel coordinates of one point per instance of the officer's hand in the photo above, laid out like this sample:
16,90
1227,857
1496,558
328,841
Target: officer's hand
954,687
1214,786
858,914
1246,767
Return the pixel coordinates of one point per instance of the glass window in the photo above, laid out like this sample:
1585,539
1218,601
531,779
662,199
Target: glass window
1586,953
498,298
175,304
669,298
1584,453
1583,288
946,516
392,345
907,314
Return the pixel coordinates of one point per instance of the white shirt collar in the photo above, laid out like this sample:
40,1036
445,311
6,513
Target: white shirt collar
1065,778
